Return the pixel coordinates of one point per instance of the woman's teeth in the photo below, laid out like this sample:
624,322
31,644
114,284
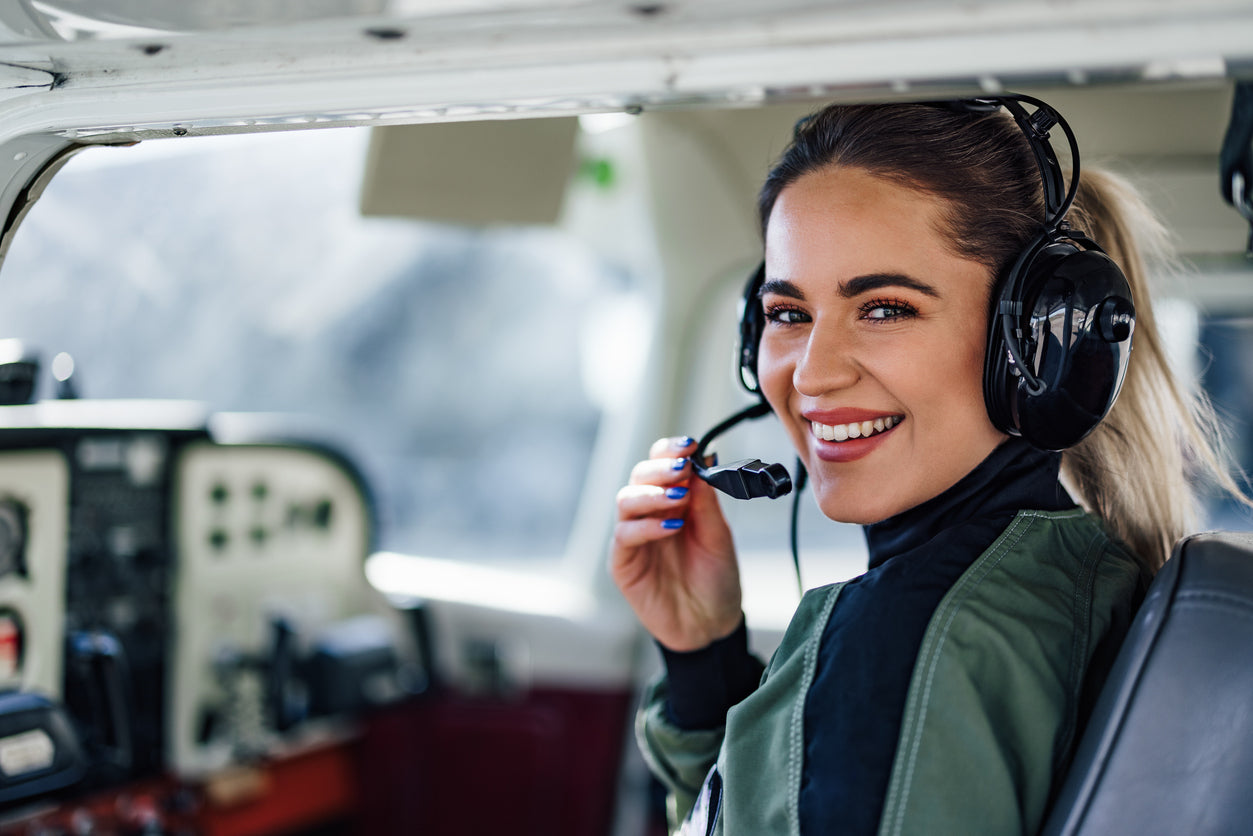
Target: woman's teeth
862,429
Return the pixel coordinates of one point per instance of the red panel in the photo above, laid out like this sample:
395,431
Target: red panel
284,796
543,763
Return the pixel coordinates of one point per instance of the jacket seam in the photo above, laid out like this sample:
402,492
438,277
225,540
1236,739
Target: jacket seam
917,709
796,751
1083,597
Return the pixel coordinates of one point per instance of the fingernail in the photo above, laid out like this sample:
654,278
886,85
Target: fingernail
679,464
683,442
671,524
676,493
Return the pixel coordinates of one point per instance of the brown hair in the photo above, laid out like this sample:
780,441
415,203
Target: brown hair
979,163
1136,470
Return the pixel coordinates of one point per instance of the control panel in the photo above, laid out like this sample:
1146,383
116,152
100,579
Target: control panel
262,590
173,607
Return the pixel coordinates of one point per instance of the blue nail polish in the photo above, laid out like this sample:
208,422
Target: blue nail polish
676,493
679,464
671,524
685,441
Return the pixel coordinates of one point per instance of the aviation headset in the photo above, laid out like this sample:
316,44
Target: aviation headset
1059,331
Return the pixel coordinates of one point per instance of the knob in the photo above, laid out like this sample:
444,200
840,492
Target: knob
1116,317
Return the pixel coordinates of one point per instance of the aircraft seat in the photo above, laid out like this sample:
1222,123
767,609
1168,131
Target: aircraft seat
1169,746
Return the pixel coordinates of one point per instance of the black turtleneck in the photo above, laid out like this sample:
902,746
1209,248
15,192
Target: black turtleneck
1014,477
854,706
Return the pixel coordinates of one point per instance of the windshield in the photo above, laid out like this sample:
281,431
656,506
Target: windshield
449,362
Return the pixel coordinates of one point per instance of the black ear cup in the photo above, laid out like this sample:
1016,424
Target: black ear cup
752,322
1059,339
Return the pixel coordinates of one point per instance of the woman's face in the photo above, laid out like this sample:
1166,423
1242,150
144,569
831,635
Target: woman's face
872,354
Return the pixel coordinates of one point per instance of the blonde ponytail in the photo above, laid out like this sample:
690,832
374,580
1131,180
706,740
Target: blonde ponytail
1141,468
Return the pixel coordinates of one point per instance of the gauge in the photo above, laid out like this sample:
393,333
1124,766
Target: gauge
12,538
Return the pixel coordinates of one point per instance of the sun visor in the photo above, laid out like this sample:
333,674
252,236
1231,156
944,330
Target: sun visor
499,172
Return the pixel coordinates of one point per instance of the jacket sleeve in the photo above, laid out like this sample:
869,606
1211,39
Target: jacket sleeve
679,758
683,719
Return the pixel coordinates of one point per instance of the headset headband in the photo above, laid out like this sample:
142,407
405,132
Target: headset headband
1035,127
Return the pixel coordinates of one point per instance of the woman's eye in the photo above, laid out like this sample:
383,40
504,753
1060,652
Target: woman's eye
887,310
786,316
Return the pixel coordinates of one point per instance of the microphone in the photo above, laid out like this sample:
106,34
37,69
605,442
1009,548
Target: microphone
746,478
751,478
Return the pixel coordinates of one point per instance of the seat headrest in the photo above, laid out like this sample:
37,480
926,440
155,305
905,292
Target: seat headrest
1169,746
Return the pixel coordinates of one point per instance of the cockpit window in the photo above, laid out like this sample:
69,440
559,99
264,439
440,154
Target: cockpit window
1226,341
451,363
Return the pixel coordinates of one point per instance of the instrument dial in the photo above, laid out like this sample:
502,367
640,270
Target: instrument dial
12,538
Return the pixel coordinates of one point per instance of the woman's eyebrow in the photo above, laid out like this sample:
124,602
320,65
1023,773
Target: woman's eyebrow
781,287
854,287
878,281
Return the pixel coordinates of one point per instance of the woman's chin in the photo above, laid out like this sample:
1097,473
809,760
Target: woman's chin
857,512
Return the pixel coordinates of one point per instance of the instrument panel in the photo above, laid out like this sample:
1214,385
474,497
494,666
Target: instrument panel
175,609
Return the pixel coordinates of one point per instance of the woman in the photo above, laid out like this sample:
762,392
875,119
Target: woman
941,691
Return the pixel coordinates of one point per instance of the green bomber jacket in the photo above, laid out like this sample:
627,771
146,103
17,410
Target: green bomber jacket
993,706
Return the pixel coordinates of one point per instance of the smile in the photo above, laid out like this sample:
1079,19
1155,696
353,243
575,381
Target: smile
857,429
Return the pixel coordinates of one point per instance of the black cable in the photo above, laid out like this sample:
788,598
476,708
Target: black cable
757,410
747,478
802,476
1037,135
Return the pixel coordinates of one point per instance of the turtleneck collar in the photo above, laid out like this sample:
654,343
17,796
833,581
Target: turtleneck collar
1015,476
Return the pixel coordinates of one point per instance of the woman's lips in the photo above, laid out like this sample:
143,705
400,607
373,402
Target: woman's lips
844,435
853,429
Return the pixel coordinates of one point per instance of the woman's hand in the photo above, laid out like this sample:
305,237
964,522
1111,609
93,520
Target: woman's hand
673,557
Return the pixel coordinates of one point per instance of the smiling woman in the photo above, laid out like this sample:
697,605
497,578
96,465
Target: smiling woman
942,690
863,290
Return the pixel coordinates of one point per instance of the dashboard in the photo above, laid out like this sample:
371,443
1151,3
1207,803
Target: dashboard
175,609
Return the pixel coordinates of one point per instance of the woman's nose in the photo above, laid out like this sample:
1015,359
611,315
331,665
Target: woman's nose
827,363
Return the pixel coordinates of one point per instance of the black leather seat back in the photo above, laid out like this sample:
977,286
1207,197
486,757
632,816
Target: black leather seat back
1169,747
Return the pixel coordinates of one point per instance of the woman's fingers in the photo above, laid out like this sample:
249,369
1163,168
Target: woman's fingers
663,472
685,588
652,506
675,447
635,501
667,463
631,534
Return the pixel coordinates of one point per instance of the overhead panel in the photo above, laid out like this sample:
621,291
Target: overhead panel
1165,139
505,172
